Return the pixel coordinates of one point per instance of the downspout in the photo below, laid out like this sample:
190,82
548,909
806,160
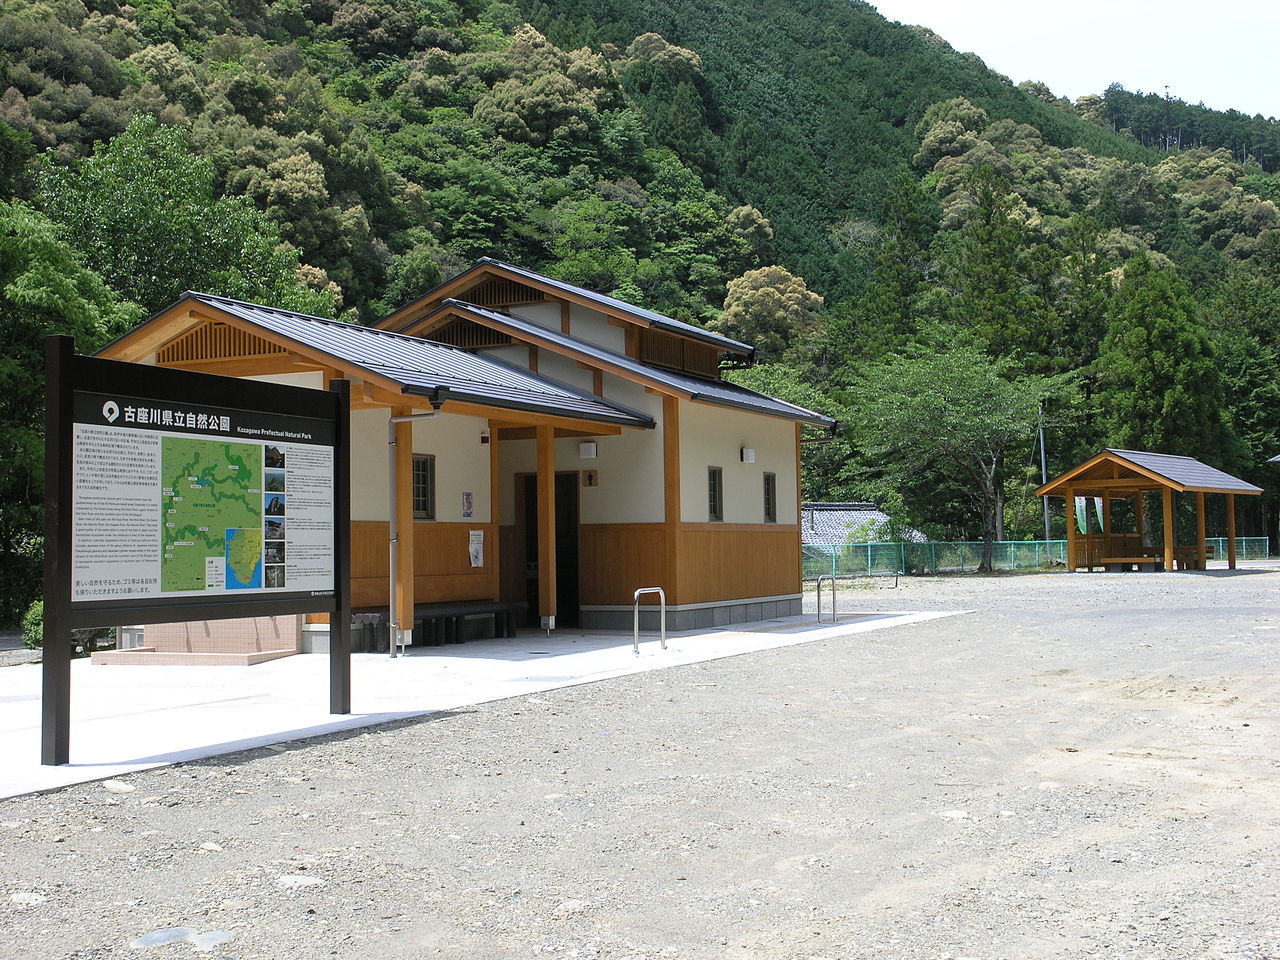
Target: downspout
394,633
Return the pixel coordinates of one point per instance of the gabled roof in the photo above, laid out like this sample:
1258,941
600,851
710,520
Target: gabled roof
413,311
693,387
1139,470
422,368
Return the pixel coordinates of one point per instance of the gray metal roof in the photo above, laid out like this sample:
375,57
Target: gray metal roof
719,392
606,304
425,368
837,524
1187,472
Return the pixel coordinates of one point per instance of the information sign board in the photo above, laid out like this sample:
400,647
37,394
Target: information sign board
170,502
174,496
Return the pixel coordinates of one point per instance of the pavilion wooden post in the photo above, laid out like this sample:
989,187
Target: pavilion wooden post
1106,524
404,572
1202,551
1168,529
1071,528
1231,531
546,521
1139,499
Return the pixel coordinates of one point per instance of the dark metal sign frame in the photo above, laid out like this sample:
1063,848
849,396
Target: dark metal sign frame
67,375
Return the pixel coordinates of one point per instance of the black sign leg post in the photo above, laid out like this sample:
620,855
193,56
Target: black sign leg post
340,619
55,704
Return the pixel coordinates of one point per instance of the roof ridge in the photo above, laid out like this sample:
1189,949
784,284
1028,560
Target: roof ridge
343,324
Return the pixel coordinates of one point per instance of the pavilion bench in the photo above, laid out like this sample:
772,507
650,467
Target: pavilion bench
1117,564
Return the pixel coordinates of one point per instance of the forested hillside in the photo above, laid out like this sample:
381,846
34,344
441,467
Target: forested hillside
853,195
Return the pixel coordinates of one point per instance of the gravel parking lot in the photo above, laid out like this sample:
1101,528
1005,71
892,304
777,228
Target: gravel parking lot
1083,766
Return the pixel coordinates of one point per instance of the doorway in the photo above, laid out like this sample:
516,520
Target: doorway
566,547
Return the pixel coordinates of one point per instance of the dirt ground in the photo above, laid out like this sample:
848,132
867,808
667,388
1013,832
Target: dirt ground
1082,766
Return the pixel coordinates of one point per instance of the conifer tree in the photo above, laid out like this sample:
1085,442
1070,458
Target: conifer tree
990,295
1160,386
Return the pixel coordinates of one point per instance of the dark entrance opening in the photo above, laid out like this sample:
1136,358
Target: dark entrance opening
566,548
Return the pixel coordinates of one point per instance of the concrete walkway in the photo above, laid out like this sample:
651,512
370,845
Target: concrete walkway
127,718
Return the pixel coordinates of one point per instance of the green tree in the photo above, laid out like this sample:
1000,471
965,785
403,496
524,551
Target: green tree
144,213
985,272
886,316
954,409
44,289
1160,388
768,308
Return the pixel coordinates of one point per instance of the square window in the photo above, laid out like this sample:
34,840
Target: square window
424,487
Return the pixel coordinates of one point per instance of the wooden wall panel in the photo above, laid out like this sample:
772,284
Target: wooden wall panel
720,561
441,563
616,559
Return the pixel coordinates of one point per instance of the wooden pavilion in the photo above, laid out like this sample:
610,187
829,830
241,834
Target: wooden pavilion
1129,475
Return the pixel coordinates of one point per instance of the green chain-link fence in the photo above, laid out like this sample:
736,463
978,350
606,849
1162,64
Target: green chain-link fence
870,559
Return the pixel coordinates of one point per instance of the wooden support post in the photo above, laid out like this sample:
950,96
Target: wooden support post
1231,531
1107,550
403,573
1202,552
546,521
1168,530
1139,500
493,553
1071,528
340,621
55,702
671,496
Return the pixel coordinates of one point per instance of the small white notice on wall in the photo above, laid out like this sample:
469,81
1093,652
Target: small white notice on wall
476,547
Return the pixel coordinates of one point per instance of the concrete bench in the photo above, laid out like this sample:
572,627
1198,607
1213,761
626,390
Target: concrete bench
435,623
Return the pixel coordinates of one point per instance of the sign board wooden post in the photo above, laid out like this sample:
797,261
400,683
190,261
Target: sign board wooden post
174,496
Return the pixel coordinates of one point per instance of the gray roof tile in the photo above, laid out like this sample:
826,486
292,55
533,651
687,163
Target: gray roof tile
719,392
423,367
835,524
1186,471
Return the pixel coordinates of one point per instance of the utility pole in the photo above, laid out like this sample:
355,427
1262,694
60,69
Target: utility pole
1044,476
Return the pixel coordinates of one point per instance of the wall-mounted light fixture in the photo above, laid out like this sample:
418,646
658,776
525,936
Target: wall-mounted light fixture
587,450
748,454
484,435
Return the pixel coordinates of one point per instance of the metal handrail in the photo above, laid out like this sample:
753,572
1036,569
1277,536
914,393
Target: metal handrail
662,599
821,577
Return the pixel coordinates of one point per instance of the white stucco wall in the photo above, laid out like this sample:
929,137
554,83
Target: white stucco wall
543,314
462,463
629,466
712,436
369,464
312,379
564,370
585,324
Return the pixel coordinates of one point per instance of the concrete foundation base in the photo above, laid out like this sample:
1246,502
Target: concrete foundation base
694,616
170,658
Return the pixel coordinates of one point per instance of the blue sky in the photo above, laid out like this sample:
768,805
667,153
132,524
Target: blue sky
1222,53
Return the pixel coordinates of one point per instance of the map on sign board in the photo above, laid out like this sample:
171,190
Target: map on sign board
171,503
212,511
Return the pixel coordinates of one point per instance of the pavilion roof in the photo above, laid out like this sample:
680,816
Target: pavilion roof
1129,471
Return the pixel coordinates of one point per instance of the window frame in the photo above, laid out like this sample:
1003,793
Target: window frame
770,481
424,502
715,494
